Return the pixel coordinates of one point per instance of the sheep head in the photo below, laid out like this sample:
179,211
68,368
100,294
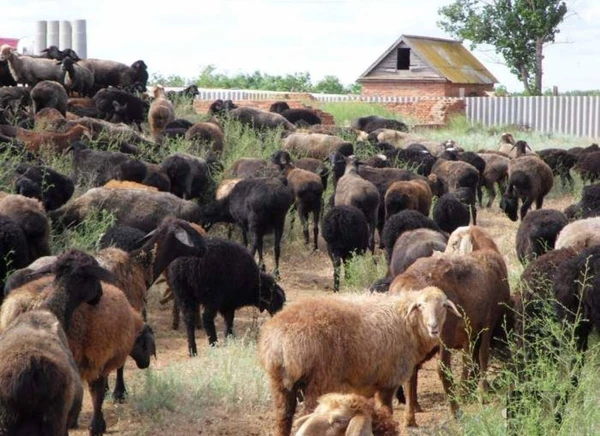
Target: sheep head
510,205
144,347
159,92
521,147
272,296
432,304
507,138
6,51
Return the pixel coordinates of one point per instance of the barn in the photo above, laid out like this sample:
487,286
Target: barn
416,66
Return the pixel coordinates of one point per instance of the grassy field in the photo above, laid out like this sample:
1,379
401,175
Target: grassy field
224,390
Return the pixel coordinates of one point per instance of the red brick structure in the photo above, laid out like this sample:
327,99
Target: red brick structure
416,66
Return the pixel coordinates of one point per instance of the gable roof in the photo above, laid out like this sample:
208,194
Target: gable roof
446,56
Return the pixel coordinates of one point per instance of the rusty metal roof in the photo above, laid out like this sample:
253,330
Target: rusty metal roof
448,57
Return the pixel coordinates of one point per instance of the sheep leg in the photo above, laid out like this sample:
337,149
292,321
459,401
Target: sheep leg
208,321
444,371
228,316
337,263
285,404
525,207
316,217
386,397
412,406
189,319
277,245
257,245
480,193
175,316
97,388
539,202
484,357
491,192
120,390
474,212
303,214
372,227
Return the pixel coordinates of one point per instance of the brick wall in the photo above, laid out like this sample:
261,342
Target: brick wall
421,89
201,106
429,111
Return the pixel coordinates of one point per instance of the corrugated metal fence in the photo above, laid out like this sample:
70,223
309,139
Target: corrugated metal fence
577,116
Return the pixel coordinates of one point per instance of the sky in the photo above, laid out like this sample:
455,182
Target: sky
322,37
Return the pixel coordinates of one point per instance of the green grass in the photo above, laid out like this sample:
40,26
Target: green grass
345,112
84,236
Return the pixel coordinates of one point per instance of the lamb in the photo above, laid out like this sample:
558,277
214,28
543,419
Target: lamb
225,280
403,195
374,122
346,231
259,119
189,175
449,213
580,234
402,222
43,183
537,233
453,175
160,114
141,209
301,349
477,282
35,142
530,179
589,206
560,162
49,94
577,286
308,193
129,108
30,215
347,414
256,206
77,78
316,145
353,190
205,134
100,338
28,70
588,166
496,172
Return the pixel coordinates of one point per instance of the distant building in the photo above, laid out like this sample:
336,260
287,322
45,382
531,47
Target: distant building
421,66
9,41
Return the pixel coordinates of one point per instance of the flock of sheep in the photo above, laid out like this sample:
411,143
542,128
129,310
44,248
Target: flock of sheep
74,317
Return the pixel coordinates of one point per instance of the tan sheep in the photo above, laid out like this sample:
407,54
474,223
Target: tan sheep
126,184
347,415
364,344
315,145
160,114
579,234
478,283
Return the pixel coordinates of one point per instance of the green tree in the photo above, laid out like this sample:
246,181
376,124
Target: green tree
518,29
330,85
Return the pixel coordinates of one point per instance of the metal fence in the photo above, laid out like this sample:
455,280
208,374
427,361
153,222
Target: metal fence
577,116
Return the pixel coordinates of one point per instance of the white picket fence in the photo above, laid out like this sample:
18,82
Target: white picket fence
577,115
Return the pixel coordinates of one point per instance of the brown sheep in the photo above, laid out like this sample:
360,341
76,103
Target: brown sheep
308,193
353,190
384,338
126,184
450,176
495,173
413,245
57,142
412,194
579,234
347,415
100,337
160,114
478,283
529,179
315,145
247,167
209,132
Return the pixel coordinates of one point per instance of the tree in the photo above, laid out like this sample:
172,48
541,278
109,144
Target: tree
518,29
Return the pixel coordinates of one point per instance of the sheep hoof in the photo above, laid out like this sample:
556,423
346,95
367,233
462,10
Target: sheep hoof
98,427
418,408
410,422
119,396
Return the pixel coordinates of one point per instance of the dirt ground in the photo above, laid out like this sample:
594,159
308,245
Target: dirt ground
303,274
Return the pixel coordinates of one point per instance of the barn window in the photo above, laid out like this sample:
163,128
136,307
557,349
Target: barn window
403,61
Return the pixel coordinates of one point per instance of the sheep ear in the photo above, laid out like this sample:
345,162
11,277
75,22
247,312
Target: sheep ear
360,425
184,237
466,244
450,305
411,308
528,147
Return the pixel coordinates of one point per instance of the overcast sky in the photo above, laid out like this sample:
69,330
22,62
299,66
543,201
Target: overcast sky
337,37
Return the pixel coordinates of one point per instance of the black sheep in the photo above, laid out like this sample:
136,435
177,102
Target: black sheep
226,279
588,165
13,248
187,94
537,233
449,213
125,238
420,161
577,290
560,162
189,175
140,76
589,206
179,123
220,107
129,108
346,232
48,93
400,223
301,117
50,187
257,206
6,78
374,122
